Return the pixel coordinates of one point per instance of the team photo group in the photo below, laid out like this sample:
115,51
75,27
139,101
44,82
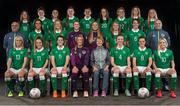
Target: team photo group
103,50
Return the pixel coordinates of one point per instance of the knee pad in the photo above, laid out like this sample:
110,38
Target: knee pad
148,73
42,77
64,75
174,75
21,79
53,75
30,78
129,75
157,75
135,73
7,79
116,75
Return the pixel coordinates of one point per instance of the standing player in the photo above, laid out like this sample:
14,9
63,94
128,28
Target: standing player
100,61
59,60
163,62
133,36
16,65
136,14
120,60
104,22
86,22
55,16
79,62
38,65
142,61
149,23
68,22
121,19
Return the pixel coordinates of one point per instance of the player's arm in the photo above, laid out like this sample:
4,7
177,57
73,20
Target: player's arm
134,63
112,62
149,62
129,62
67,61
173,64
9,63
24,63
53,61
45,65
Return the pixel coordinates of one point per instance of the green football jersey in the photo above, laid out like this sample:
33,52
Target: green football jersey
120,55
86,25
133,38
17,57
54,35
123,23
25,28
39,58
141,24
142,56
60,55
164,59
148,27
67,24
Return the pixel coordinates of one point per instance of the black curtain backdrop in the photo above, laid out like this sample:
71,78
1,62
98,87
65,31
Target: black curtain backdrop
168,12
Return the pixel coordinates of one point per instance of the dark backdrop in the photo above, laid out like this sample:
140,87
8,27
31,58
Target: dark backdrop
168,12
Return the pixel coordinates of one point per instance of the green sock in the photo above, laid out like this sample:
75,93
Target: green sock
54,83
64,83
10,85
116,83
157,82
42,84
173,83
128,82
136,82
31,84
148,82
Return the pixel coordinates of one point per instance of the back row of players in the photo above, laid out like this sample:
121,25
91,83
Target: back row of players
86,42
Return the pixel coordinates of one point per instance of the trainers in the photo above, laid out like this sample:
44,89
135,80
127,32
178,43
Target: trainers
103,94
127,93
116,92
63,93
55,94
10,94
173,95
95,94
21,93
75,94
159,94
86,94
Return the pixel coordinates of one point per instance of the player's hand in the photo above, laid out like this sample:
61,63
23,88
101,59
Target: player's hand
106,68
75,69
84,69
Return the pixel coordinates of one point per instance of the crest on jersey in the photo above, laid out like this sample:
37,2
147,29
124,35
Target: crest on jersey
83,51
167,54
64,52
162,35
146,53
124,52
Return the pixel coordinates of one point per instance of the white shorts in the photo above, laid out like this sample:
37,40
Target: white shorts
141,69
122,68
37,70
164,71
16,71
59,70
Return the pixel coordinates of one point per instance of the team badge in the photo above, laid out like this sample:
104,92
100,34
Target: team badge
153,35
146,53
83,51
162,35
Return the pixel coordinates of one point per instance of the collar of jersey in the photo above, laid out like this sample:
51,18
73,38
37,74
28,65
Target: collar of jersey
42,19
135,30
142,49
152,19
163,50
120,48
87,18
121,19
37,31
115,33
60,48
58,31
40,49
24,21
18,48
70,18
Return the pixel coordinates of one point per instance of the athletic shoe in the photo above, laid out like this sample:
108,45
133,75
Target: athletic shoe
103,94
173,95
55,94
21,93
116,92
95,94
159,94
86,94
10,94
75,94
63,93
127,93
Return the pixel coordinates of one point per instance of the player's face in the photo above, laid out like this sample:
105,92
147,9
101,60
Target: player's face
41,13
135,24
103,12
120,13
115,26
95,26
120,40
158,24
38,44
162,44
60,41
24,15
79,41
14,27
70,12
99,42
55,13
142,42
38,25
151,13
76,25
18,42
87,12
57,25
135,11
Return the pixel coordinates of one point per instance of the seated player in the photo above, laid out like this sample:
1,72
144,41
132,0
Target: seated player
16,65
38,65
163,63
59,60
120,60
79,62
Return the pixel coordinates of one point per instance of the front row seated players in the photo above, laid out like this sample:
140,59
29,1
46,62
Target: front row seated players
38,65
120,60
79,61
163,63
16,65
59,60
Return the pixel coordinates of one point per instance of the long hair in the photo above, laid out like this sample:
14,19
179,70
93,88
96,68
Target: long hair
107,15
121,8
59,22
37,38
21,15
91,31
155,16
112,29
22,40
67,17
132,12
